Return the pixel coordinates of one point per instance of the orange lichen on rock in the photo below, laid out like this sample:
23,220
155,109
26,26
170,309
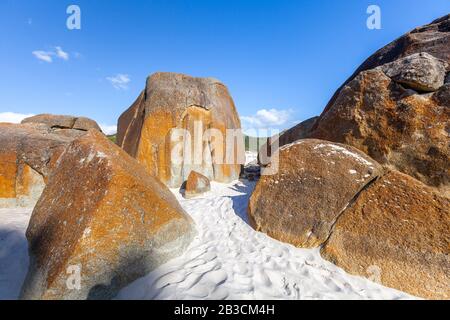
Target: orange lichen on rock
203,108
8,174
315,182
196,185
29,151
396,126
104,214
398,233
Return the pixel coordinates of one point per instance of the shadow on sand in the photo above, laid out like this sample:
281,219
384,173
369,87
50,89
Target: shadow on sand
240,202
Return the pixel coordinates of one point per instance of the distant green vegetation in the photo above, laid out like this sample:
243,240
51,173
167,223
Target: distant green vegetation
254,143
113,137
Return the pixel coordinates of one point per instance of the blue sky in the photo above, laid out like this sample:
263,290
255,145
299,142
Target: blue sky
282,60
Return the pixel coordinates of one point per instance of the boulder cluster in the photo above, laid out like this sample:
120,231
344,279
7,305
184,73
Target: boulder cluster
103,212
369,180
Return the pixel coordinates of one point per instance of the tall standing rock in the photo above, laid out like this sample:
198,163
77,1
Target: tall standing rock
396,107
103,218
176,101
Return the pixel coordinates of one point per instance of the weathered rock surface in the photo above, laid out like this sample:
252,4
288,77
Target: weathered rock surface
103,215
300,131
420,71
196,185
64,122
378,112
395,126
28,153
175,101
316,180
397,232
433,39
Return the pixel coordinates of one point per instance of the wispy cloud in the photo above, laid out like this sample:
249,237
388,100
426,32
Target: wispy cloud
120,81
264,119
13,117
47,56
108,129
61,54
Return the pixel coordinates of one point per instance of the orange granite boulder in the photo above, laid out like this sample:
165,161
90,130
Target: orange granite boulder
396,106
103,218
398,230
315,181
196,185
181,123
28,153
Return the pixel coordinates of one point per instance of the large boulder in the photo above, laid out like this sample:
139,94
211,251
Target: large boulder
432,38
397,232
315,182
28,153
104,218
175,101
396,126
395,107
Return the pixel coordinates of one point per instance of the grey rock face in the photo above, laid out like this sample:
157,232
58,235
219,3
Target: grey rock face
419,71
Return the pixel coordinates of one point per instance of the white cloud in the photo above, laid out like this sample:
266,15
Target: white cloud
120,81
264,119
108,129
13,117
45,56
61,54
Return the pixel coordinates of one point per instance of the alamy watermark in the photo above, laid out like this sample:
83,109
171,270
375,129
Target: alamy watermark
73,22
374,19
73,281
211,146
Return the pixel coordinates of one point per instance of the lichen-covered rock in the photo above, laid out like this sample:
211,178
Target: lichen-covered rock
419,71
315,182
101,216
378,112
433,38
175,101
196,185
28,153
300,131
397,232
64,122
395,126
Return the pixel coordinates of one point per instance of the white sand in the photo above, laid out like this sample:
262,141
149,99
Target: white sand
13,251
227,260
